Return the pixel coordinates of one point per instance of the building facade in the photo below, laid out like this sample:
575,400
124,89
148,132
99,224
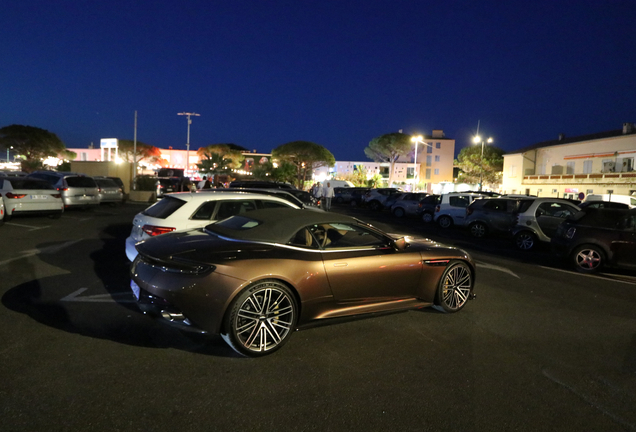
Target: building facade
574,167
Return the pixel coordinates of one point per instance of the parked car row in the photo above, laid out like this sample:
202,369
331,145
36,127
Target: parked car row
50,192
591,234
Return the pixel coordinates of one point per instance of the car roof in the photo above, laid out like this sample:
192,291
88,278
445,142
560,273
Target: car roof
210,195
273,225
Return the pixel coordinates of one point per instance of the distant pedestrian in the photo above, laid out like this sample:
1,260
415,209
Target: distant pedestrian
202,182
327,194
207,184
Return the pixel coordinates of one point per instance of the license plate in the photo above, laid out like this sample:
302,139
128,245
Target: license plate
39,196
86,197
135,289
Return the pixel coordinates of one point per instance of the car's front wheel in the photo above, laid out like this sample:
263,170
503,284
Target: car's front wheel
454,288
478,230
525,240
260,319
398,212
588,258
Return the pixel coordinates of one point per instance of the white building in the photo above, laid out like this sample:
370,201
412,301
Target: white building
574,167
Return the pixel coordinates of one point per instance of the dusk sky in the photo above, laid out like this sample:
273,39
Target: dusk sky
338,73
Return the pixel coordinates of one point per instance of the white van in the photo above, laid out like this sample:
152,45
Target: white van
338,183
630,200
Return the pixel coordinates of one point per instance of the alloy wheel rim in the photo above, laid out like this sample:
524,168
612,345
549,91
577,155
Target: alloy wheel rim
525,242
264,319
588,259
457,285
478,230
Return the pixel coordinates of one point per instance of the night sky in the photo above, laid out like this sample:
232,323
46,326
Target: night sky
338,73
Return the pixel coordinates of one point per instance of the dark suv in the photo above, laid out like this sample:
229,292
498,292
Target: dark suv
426,208
596,237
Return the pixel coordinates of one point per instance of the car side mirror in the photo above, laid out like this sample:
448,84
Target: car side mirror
401,243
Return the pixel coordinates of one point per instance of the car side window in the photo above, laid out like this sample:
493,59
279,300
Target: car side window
495,205
342,235
459,201
205,212
304,238
234,207
272,204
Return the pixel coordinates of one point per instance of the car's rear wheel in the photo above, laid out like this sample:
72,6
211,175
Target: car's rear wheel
454,287
525,240
445,221
478,229
427,218
375,205
260,319
398,212
588,258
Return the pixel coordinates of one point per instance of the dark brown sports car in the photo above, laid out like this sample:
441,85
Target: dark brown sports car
256,277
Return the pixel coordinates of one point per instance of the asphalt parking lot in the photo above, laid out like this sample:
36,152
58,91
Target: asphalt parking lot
541,348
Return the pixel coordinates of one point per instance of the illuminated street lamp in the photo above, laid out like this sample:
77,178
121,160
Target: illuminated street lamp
416,139
477,139
8,153
188,141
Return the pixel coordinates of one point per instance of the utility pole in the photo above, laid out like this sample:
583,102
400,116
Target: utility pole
188,140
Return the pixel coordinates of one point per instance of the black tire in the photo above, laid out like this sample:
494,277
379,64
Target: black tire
375,205
478,229
261,319
445,221
399,212
525,240
588,258
455,287
427,217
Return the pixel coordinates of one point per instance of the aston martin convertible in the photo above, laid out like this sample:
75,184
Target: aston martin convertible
254,278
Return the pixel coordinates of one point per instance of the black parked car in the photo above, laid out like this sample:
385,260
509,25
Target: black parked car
426,208
593,238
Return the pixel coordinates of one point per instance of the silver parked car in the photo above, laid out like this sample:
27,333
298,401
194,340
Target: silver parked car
537,220
407,204
77,190
109,191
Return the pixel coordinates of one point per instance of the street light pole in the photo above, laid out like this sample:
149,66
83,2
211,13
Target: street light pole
188,141
477,139
416,139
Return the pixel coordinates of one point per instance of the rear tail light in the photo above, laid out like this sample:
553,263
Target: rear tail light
62,189
99,190
12,195
437,208
56,195
152,230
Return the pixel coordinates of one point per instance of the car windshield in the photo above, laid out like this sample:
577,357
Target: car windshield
164,208
29,184
106,183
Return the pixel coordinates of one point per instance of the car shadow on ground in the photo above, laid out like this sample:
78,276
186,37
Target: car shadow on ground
55,301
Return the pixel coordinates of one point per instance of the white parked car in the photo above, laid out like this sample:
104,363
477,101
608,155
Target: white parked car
187,210
25,195
451,209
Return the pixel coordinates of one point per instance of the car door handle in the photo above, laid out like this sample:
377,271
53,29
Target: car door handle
341,264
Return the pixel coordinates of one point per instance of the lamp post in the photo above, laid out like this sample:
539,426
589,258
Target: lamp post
188,141
416,139
8,153
477,139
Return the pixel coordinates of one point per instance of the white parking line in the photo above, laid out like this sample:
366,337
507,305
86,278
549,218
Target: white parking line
33,252
32,228
631,280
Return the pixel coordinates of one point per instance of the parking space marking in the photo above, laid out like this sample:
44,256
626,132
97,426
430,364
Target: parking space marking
630,280
33,252
496,268
32,228
121,297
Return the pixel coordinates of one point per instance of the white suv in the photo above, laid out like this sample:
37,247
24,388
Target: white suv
188,210
451,209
